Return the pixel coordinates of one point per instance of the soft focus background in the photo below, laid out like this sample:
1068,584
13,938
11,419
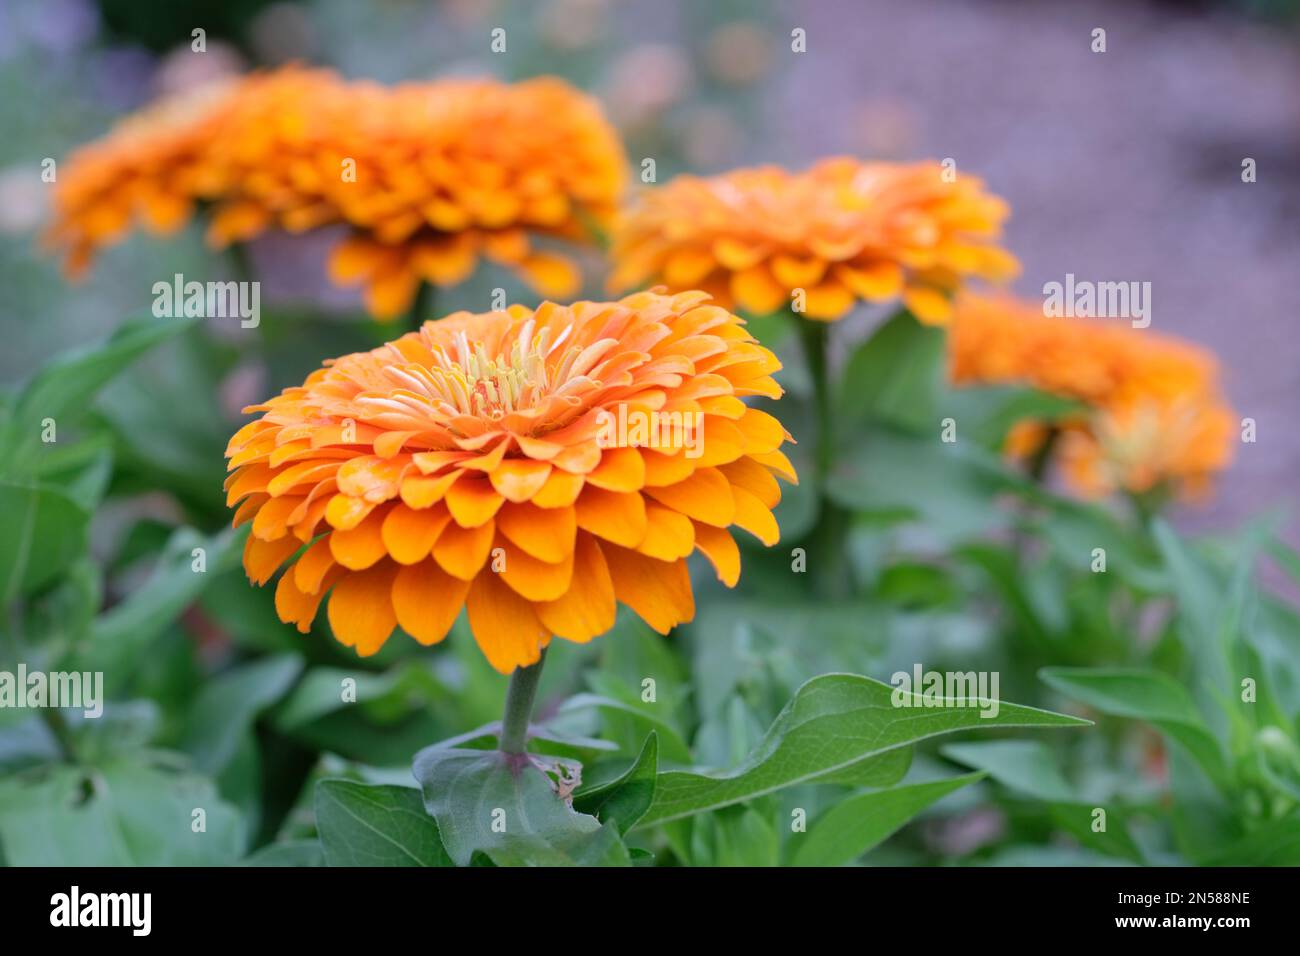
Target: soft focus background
1122,165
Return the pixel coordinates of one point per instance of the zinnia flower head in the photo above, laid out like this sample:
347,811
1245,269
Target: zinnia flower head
482,462
1156,413
148,172
843,231
432,177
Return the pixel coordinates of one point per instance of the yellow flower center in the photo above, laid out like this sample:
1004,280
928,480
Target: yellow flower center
466,380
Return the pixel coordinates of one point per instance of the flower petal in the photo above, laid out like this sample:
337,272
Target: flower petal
427,600
589,607
505,625
361,608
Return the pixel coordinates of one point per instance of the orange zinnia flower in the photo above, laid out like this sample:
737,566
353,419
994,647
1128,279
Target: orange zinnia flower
430,176
482,461
149,171
842,231
1155,410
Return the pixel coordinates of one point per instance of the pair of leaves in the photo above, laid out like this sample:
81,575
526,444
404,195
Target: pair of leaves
477,806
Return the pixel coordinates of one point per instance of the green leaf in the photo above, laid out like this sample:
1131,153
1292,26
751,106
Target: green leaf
735,836
506,808
361,825
62,390
1023,765
288,853
625,800
227,706
44,533
82,471
890,476
164,439
893,377
853,826
124,633
1276,843
674,748
123,814
1144,695
1027,767
833,724
988,414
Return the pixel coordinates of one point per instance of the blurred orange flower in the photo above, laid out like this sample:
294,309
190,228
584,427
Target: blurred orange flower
431,176
482,461
842,231
1155,415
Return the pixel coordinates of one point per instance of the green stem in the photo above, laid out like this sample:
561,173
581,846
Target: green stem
519,706
421,307
241,261
1043,456
829,537
62,733
1037,470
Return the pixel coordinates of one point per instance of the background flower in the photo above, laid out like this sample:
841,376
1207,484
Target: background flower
464,464
842,231
432,177
1156,413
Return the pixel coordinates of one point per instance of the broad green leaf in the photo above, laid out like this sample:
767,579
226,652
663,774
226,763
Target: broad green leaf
123,633
62,390
164,438
888,475
894,377
505,807
227,706
43,531
735,836
834,723
361,825
82,471
1023,765
1143,695
288,853
123,814
320,692
624,800
674,748
853,826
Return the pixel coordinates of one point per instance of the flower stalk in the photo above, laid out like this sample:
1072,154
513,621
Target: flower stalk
421,306
520,696
829,537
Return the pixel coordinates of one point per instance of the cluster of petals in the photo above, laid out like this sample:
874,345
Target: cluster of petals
431,177
841,232
472,464
1154,410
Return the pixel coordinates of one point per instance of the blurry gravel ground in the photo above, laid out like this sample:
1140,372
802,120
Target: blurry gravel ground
1122,165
